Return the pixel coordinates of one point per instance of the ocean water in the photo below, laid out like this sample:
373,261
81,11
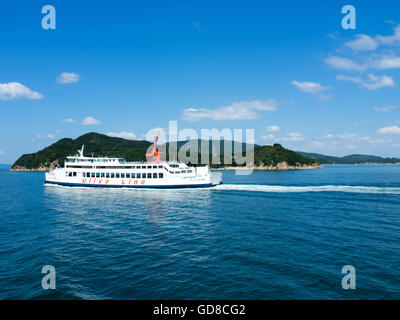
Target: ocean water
269,235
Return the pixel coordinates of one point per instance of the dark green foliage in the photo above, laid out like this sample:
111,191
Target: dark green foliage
100,145
351,159
96,144
272,155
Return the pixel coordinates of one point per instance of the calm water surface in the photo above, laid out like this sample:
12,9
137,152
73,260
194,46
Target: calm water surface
269,235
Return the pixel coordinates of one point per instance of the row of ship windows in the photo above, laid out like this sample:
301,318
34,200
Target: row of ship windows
131,167
148,175
122,175
134,167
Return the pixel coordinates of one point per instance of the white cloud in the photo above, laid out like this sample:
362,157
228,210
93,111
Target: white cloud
329,136
309,87
390,40
123,134
68,77
373,82
354,137
89,121
272,128
389,130
290,137
45,136
268,137
295,136
381,62
348,136
1,152
386,62
68,120
384,109
244,110
14,90
343,63
363,43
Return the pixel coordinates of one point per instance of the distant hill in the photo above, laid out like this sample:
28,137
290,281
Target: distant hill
351,159
274,157
264,156
95,144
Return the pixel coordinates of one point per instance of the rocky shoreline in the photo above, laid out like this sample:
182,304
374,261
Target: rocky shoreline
281,166
22,169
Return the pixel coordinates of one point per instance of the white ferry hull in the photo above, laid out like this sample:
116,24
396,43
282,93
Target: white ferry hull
148,186
117,173
207,180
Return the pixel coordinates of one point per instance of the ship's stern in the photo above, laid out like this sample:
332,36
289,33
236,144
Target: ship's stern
216,178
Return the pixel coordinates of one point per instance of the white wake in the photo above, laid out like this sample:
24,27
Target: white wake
326,188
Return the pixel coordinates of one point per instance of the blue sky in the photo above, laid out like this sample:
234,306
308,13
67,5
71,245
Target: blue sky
287,69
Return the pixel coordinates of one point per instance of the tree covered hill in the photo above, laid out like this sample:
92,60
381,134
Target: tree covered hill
95,144
273,155
351,159
134,150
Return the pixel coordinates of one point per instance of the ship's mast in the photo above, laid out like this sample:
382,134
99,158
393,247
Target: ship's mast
81,151
155,154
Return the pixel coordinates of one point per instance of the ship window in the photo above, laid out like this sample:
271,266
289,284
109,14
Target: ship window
117,175
107,174
102,174
132,175
92,174
83,174
148,167
149,175
154,167
128,175
112,175
155,175
160,167
189,171
138,175
87,174
143,167
97,174
123,175
183,171
74,174
160,175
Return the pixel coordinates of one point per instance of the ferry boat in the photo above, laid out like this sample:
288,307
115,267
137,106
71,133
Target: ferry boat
79,170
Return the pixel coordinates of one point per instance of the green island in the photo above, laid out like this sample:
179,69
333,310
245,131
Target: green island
351,159
266,157
273,157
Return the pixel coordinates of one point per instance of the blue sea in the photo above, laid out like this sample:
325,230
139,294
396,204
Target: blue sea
268,235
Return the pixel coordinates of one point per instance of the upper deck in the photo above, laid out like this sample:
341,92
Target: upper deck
80,161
